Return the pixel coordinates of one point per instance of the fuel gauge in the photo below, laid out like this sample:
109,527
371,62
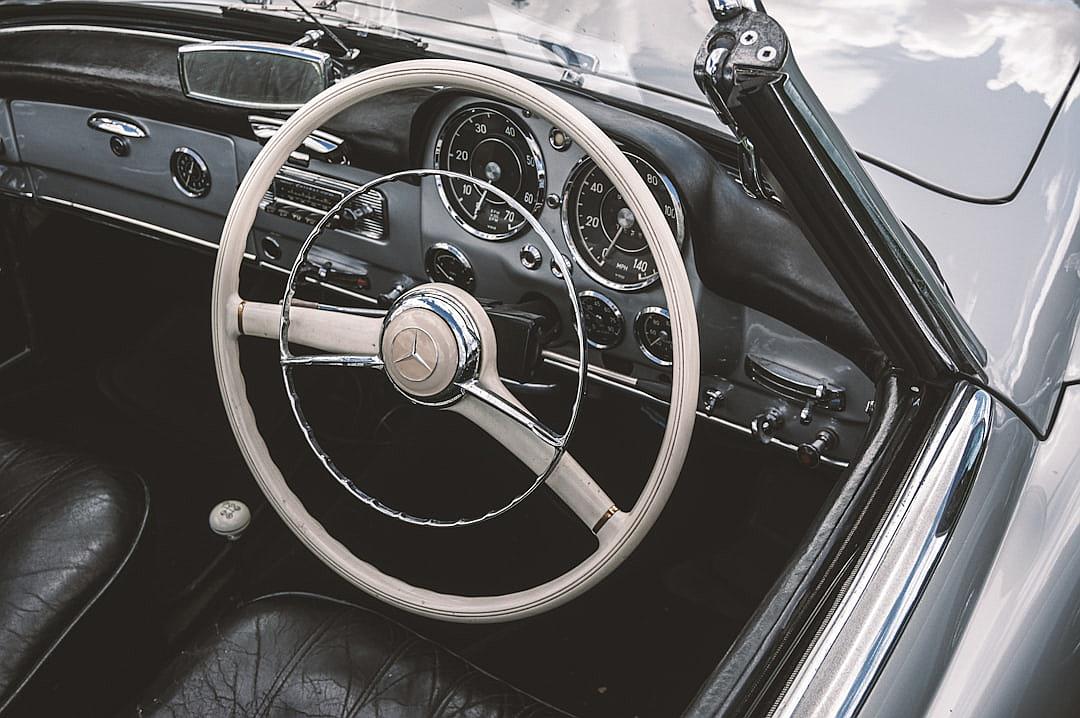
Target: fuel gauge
652,329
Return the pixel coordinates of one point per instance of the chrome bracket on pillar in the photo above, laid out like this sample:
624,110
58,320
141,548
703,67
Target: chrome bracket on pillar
740,36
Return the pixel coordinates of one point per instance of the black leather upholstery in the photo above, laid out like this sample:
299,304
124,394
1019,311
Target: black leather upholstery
298,654
68,525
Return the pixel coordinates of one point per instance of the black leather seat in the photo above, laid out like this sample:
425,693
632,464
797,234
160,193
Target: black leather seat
304,655
68,527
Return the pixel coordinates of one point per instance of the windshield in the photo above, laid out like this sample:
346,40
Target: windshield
626,41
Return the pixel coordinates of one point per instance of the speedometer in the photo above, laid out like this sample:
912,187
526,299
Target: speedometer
603,232
490,145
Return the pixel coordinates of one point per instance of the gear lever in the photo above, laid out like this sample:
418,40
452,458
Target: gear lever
230,519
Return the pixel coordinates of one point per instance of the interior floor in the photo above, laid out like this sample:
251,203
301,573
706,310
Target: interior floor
123,369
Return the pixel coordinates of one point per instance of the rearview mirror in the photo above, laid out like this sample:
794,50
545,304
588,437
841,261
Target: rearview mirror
254,75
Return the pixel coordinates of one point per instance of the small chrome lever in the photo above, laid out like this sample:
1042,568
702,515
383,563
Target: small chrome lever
764,426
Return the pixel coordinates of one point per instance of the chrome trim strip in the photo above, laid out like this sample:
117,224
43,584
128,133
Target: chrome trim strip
129,220
319,141
841,665
123,219
629,385
15,358
99,28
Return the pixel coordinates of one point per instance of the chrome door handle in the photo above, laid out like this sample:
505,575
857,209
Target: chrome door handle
119,126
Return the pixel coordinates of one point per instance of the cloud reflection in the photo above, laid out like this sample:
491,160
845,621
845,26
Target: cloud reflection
1037,43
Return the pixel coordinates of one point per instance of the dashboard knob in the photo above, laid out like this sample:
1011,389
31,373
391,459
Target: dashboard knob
530,257
809,454
764,426
713,398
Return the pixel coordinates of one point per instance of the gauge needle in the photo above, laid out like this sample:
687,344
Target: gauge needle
445,273
607,251
479,204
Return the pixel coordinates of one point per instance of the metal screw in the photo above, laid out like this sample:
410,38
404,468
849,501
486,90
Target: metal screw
554,201
766,54
748,38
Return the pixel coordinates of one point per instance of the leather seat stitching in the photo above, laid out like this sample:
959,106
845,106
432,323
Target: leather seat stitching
91,602
391,659
348,606
289,668
28,498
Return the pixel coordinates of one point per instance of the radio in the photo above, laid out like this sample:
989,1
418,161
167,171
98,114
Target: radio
305,197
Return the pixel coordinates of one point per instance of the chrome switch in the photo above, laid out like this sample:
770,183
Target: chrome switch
764,426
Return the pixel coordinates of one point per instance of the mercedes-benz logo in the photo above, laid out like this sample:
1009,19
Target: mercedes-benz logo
414,354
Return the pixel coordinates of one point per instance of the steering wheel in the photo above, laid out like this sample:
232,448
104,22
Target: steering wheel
437,346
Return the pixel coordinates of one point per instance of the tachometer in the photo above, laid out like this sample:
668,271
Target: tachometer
603,232
490,145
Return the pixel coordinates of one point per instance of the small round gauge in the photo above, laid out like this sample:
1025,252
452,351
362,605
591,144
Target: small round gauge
446,263
189,172
652,329
603,232
602,318
490,145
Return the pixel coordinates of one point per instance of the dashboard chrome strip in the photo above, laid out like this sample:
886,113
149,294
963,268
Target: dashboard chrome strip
841,665
629,385
99,28
128,220
155,228
158,229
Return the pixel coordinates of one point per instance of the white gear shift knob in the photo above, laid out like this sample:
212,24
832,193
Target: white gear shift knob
230,518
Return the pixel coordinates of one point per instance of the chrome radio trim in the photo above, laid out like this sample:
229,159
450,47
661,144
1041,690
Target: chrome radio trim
373,227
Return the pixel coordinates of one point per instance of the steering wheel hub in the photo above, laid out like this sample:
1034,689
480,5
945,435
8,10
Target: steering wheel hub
430,344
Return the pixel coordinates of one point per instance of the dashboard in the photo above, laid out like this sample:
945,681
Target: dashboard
760,376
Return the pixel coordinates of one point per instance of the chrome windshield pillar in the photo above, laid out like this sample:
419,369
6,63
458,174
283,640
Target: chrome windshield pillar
748,72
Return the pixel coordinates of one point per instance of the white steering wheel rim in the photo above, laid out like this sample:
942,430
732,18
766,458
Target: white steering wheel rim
625,530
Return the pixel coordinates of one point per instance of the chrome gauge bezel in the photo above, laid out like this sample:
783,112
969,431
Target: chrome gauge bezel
429,262
639,320
568,233
606,301
534,149
199,162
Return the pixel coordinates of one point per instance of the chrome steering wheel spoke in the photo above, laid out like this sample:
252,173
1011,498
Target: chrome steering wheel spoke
516,412
372,362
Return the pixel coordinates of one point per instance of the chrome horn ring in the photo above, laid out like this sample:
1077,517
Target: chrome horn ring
461,325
